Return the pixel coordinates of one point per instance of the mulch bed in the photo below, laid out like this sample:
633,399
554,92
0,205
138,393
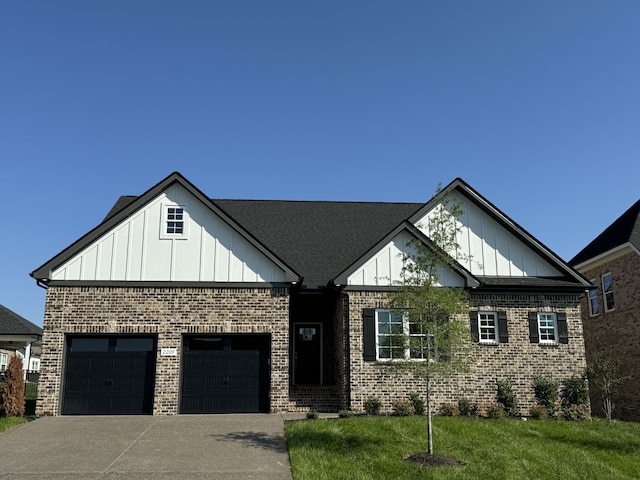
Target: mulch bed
434,460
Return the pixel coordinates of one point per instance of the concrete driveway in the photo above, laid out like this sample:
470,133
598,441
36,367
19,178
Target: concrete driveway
146,447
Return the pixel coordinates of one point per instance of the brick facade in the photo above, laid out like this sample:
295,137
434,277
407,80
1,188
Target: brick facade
518,360
171,313
168,313
617,332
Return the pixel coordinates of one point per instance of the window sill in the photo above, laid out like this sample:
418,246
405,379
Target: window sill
489,344
549,344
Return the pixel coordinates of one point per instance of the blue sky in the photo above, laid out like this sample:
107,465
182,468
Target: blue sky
535,104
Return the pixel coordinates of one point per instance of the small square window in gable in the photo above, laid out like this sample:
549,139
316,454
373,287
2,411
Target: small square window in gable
174,222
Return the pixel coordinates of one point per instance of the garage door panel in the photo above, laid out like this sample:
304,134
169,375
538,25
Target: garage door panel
225,380
109,382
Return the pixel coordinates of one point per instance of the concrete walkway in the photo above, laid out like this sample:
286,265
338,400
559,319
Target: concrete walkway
145,447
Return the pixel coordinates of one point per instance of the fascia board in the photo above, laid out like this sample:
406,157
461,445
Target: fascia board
607,256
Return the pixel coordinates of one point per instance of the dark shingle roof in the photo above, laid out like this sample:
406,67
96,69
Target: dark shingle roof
13,324
625,229
318,239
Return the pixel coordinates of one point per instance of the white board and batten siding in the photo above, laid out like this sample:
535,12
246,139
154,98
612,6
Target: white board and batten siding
488,248
384,268
137,250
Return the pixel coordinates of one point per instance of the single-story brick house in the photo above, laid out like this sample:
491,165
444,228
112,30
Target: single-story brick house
179,303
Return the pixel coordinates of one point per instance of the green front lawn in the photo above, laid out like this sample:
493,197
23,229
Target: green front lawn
374,448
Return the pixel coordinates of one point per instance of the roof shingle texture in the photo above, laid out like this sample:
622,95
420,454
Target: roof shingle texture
13,324
625,229
318,239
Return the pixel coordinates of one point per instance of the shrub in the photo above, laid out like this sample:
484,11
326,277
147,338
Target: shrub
495,410
506,397
538,412
575,392
402,408
467,408
372,406
12,394
418,403
576,413
546,392
312,414
449,410
345,414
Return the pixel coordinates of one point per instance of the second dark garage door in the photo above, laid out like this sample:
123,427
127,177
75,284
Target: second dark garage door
225,374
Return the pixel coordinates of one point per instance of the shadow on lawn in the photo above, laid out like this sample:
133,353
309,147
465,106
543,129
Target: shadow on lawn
597,443
266,441
332,442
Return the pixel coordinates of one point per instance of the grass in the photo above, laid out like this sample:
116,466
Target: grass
9,422
374,448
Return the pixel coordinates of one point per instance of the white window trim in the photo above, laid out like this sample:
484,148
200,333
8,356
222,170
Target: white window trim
4,361
163,222
407,350
591,295
496,334
604,293
555,340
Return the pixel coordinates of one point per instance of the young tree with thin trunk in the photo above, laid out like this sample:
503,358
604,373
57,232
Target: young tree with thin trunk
605,375
437,338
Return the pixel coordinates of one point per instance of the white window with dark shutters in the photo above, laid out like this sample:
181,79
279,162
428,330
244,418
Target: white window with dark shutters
489,327
607,292
594,306
389,336
548,328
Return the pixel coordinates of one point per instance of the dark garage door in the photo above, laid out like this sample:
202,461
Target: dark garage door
109,375
225,374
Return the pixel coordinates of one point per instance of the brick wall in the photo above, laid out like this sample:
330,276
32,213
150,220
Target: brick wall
168,313
617,332
518,360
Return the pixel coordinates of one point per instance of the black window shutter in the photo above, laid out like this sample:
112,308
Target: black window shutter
503,332
534,337
369,333
473,320
563,330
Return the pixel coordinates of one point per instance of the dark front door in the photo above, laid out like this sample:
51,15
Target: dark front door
225,374
109,375
307,353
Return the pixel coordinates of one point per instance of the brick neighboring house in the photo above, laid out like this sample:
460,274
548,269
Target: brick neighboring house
178,303
611,312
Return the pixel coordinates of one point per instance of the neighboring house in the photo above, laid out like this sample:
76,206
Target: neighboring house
611,312
18,336
177,303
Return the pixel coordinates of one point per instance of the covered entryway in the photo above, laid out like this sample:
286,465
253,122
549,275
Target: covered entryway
109,375
225,374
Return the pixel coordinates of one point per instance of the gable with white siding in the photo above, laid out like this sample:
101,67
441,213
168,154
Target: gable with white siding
385,266
487,248
137,250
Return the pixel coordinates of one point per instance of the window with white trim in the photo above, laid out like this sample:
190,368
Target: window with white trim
594,305
4,360
488,327
547,327
34,364
607,292
399,339
174,221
